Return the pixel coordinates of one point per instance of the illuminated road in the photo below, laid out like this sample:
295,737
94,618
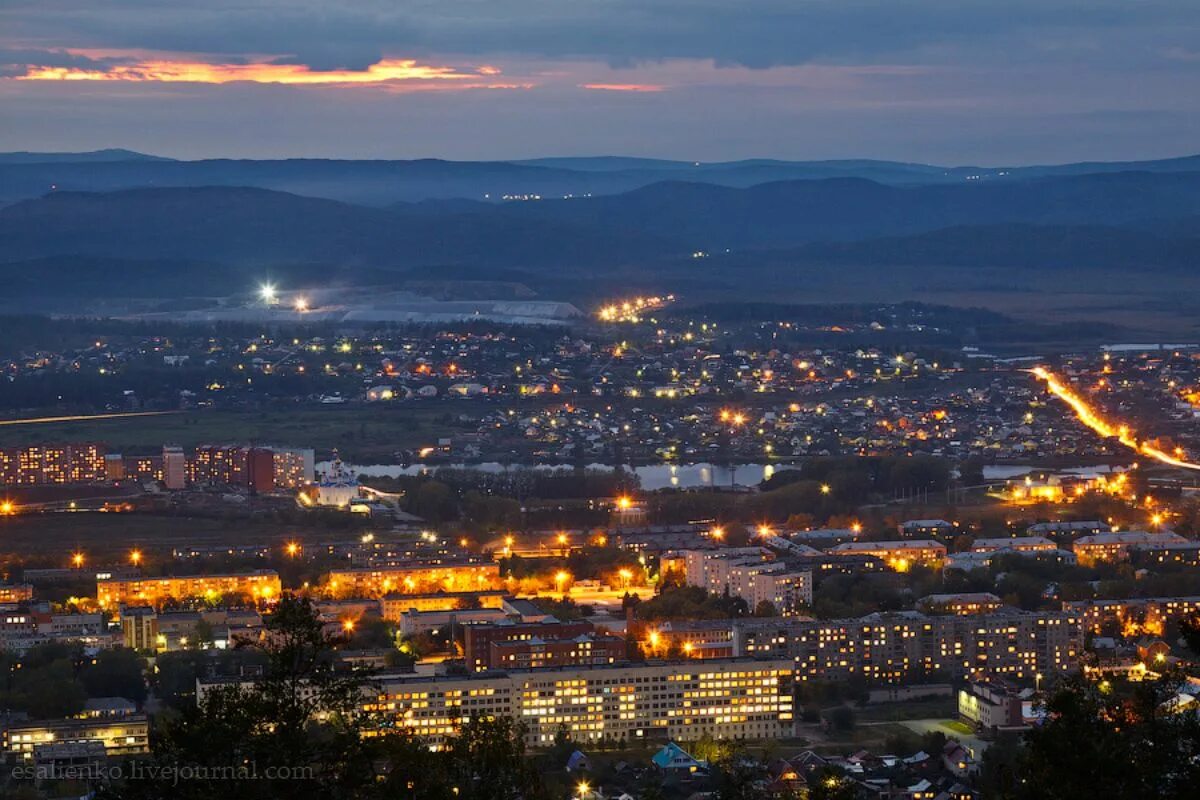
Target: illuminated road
1090,418
84,417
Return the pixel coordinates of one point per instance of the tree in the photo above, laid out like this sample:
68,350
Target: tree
372,633
488,762
492,513
1189,629
203,637
297,731
970,471
737,775
116,673
1106,740
999,768
44,681
765,608
829,783
842,718
432,500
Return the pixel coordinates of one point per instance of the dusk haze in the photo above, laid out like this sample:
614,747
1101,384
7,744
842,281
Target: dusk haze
599,400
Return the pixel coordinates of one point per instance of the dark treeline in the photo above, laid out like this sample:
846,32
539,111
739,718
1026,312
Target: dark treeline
863,475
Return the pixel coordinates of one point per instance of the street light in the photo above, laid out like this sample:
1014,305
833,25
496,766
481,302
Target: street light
77,560
560,578
267,293
626,576
135,557
293,549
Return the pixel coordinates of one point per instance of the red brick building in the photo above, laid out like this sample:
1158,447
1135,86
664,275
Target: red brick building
519,645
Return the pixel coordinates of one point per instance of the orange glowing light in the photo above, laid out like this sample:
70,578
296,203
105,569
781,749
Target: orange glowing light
77,559
135,557
1085,414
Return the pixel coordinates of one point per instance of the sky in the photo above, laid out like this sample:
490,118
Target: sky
952,82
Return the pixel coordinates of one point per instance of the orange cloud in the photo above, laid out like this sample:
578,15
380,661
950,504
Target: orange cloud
167,71
623,87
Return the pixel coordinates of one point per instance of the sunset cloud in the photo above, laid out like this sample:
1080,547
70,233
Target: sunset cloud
623,87
167,71
934,80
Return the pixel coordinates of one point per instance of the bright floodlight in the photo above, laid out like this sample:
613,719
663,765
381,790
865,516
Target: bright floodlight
301,304
267,293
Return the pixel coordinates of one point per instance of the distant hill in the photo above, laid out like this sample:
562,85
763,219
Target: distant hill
1015,245
259,227
714,218
90,157
1132,220
385,182
84,276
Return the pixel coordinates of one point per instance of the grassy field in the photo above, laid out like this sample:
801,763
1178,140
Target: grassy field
929,708
1139,308
51,536
871,737
360,432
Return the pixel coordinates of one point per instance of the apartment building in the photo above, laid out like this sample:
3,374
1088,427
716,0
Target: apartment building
899,555
1107,547
733,698
260,584
908,646
417,577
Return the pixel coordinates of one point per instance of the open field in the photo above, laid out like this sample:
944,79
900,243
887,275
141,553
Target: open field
103,535
361,432
1131,304
871,737
929,708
